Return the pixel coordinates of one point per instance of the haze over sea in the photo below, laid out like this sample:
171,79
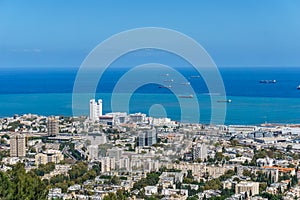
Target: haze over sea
48,91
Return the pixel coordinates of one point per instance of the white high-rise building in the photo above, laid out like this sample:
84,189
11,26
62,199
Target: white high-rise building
95,109
200,151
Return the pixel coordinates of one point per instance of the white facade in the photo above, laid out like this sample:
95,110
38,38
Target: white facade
107,164
200,151
252,188
93,152
95,109
115,153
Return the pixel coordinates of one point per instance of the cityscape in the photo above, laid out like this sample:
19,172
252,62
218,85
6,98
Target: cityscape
149,100
134,156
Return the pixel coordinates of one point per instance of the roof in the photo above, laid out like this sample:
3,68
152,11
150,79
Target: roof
281,169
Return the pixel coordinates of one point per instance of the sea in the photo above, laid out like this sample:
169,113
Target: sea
49,91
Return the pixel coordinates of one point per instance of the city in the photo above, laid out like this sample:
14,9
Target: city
134,156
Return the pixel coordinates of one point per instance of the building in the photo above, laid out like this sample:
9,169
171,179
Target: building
137,117
251,188
96,138
54,156
147,137
41,158
115,153
200,151
124,163
107,164
150,190
93,152
52,126
118,117
18,145
95,109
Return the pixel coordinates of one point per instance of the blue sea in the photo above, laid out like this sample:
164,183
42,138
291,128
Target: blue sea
48,91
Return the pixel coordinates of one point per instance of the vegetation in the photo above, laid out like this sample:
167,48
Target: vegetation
44,169
17,184
78,174
120,195
151,179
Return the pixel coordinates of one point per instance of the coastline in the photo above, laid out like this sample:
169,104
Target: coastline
242,110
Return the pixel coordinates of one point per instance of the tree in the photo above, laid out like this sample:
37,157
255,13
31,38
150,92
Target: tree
151,179
234,142
219,156
110,196
189,174
5,186
262,187
121,195
18,184
247,173
289,147
115,180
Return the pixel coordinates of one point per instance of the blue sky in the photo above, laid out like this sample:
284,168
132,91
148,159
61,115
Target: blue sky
235,33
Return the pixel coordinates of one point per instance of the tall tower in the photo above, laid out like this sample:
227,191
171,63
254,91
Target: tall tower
17,146
99,107
95,109
200,151
52,126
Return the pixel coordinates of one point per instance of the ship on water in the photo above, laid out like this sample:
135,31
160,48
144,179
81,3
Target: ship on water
186,96
298,88
195,76
186,83
225,101
165,86
267,81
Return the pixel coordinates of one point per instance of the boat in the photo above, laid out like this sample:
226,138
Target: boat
225,101
186,83
186,96
165,86
298,88
195,76
170,81
267,81
165,74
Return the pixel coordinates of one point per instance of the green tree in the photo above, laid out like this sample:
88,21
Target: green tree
110,196
26,185
219,156
115,180
247,173
121,195
5,186
262,187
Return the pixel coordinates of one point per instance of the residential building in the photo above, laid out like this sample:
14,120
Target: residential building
52,126
147,137
95,109
107,164
93,152
251,188
115,153
200,151
54,156
18,145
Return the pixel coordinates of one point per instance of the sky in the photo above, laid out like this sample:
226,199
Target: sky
54,33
